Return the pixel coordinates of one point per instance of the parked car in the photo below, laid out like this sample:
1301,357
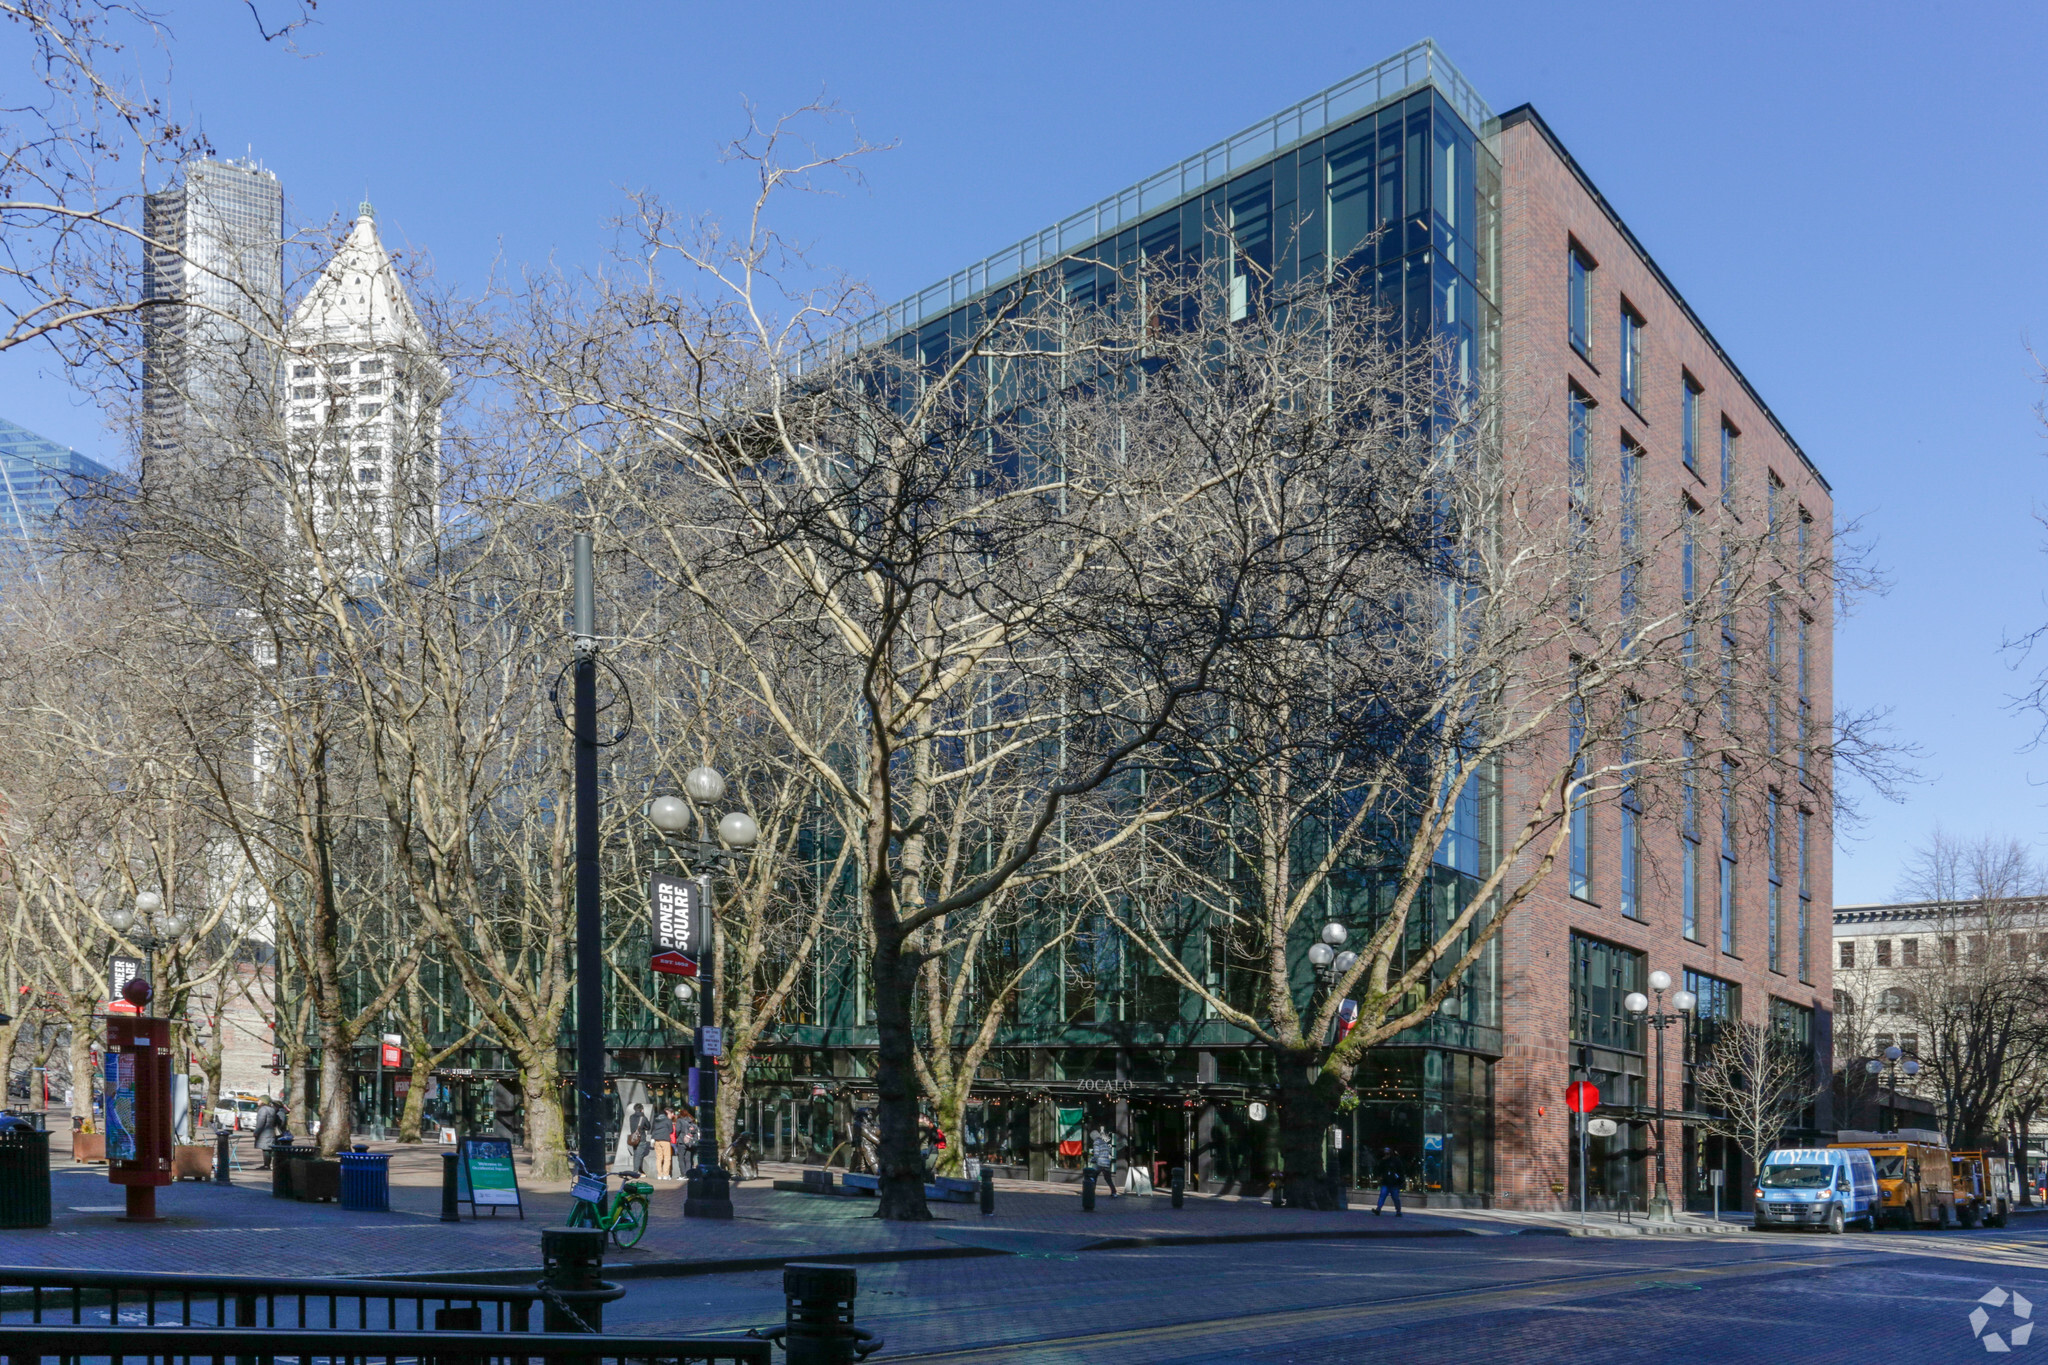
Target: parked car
237,1111
1827,1187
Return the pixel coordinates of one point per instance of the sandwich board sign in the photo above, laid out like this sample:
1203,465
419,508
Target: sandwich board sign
676,931
484,1177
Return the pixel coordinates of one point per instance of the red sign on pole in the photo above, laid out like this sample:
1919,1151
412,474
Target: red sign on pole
1582,1097
392,1055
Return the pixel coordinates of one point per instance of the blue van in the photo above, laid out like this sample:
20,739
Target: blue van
1824,1186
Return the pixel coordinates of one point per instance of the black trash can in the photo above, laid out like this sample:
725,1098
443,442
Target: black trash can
281,1157
24,1177
365,1181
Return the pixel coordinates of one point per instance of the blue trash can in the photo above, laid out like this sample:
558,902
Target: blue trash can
365,1181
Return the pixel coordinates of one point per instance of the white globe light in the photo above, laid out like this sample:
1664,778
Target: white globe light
1873,1066
685,992
1660,981
670,814
119,918
174,927
1684,1001
1894,1052
1346,960
704,784
738,829
1635,1002
1335,933
1910,1066
1320,954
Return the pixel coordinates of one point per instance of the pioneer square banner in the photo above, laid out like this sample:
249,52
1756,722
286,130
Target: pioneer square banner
677,904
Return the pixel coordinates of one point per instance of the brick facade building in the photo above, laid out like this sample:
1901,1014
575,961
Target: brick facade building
1575,284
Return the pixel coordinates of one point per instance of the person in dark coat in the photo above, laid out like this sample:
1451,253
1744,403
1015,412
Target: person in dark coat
1391,1173
269,1120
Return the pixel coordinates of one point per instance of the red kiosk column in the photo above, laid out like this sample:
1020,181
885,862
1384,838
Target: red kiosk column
136,1112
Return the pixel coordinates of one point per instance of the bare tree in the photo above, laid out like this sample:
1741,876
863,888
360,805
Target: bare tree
1754,1084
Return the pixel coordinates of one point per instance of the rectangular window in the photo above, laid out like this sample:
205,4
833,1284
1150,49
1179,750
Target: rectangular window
339,367
303,390
371,367
369,409
1689,847
1804,719
1581,303
1805,901
1909,1043
302,371
1688,581
1603,974
1909,952
1689,423
1720,1004
1846,952
1774,876
1727,856
1631,355
1631,822
1805,540
1884,952
1579,410
1631,529
1728,454
1581,816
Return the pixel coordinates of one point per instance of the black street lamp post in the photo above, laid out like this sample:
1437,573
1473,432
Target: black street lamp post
708,1192
1682,1005
1889,1065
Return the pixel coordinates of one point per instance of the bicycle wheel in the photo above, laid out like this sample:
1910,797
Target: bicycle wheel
632,1221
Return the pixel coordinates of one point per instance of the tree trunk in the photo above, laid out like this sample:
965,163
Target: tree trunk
82,1076
732,1090
415,1098
1307,1109
952,1107
902,1165
337,1086
546,1139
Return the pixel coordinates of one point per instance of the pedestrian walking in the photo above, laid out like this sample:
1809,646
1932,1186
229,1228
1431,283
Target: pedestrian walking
664,1135
688,1134
1391,1173
1102,1155
638,1126
269,1118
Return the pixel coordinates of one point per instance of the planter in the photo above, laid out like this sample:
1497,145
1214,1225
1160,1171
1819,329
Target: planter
192,1161
88,1146
315,1181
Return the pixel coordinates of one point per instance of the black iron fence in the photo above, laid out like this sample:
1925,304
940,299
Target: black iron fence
137,1299
34,1344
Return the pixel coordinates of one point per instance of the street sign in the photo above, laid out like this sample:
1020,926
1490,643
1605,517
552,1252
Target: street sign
391,1054
1602,1127
676,905
710,1042
1581,1097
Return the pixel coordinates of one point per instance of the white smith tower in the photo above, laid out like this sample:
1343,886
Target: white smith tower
363,395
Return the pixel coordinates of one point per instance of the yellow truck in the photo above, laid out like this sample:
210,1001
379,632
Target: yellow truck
1914,1172
1983,1187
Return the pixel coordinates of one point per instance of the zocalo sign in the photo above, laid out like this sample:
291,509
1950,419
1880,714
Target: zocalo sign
676,905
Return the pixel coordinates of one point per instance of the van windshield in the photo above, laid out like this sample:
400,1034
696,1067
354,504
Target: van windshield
1798,1177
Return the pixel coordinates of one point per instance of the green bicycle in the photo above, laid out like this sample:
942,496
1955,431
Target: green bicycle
623,1215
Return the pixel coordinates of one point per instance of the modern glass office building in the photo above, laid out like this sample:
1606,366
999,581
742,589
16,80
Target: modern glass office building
42,477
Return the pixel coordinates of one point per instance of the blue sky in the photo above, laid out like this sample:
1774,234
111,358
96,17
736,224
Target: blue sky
1851,195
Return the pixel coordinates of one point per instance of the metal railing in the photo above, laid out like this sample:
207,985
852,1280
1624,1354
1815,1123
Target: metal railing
31,1345
131,1299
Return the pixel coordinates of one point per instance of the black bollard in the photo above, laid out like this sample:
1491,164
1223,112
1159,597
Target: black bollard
988,1191
1088,1190
223,1153
1180,1185
572,1263
817,1324
450,1213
